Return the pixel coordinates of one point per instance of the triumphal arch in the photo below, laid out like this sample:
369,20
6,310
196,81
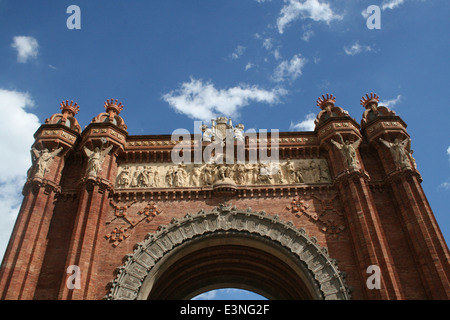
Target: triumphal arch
335,213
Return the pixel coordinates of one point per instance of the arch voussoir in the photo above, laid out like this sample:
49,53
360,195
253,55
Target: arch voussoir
137,266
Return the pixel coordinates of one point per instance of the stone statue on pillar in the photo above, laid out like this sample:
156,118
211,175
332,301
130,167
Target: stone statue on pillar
43,160
95,159
399,150
348,150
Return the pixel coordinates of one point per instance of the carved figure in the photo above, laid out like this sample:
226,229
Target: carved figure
179,176
195,176
207,133
413,161
348,150
290,171
399,150
277,173
170,177
208,174
124,177
135,178
239,132
43,160
222,172
324,172
148,172
265,175
95,159
315,171
157,178
240,175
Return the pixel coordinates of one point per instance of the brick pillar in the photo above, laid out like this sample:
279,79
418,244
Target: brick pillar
93,206
335,129
23,259
387,133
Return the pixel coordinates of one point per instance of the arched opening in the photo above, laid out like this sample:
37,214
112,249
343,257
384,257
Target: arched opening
229,259
226,248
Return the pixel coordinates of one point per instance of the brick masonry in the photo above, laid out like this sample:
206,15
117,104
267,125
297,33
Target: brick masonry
373,212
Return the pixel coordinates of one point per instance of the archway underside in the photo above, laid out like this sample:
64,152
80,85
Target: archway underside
231,259
226,247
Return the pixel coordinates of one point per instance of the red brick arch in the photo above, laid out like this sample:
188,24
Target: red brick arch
227,247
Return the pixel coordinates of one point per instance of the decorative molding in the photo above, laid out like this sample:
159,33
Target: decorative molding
321,211
157,143
132,218
146,255
164,175
117,236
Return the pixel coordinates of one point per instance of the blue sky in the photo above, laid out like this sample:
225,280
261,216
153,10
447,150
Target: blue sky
262,62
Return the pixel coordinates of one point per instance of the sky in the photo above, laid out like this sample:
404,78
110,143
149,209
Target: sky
263,63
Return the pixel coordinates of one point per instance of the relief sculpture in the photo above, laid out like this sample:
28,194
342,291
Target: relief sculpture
304,171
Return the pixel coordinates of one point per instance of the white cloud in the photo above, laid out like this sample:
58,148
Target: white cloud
268,43
445,185
18,126
306,125
391,103
289,70
307,32
312,9
448,153
239,51
27,48
202,101
356,48
248,66
276,54
391,4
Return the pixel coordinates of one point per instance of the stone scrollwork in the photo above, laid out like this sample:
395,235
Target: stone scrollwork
130,277
154,175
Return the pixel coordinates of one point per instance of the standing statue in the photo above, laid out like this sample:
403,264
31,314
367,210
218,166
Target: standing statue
170,176
179,176
291,172
348,150
324,172
196,175
399,150
208,133
43,160
413,161
239,132
124,177
95,159
240,175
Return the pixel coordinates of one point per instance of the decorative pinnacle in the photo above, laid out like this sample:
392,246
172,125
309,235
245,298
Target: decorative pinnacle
326,101
367,100
69,108
112,106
